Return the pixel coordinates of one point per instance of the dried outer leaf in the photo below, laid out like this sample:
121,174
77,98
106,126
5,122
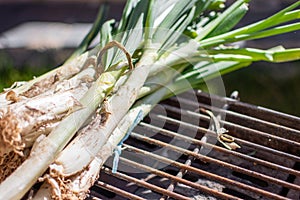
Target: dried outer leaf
9,162
67,71
77,186
106,37
12,96
20,119
131,40
86,77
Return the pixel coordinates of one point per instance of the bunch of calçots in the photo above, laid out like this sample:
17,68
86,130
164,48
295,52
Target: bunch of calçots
61,127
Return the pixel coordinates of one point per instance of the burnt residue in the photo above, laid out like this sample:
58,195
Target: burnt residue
10,137
9,163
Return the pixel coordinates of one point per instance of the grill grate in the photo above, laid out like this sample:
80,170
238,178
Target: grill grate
169,155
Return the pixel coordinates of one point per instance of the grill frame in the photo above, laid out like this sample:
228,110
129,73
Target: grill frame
271,172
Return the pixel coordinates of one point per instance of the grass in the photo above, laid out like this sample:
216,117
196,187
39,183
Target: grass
9,73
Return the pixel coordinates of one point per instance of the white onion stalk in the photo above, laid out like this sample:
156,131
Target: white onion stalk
90,140
22,122
84,148
46,149
21,119
76,186
69,178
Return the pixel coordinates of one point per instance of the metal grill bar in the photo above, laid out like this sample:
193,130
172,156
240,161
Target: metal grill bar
240,141
271,165
239,130
218,162
181,172
180,180
188,162
204,173
247,109
244,120
204,131
117,190
269,150
93,198
144,184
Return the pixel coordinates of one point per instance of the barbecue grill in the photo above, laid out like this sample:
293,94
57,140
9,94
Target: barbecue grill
174,154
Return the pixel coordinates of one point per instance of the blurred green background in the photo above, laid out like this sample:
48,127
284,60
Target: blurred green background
9,73
274,86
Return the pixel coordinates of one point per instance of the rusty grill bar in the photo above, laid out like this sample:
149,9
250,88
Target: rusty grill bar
161,159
